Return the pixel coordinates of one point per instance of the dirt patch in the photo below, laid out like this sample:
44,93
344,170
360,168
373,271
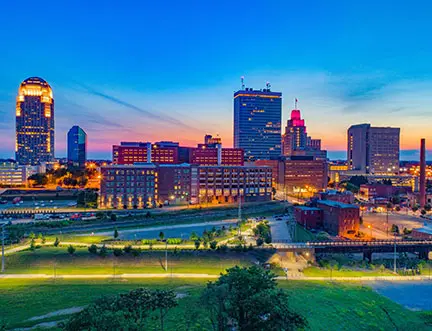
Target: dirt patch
45,325
181,295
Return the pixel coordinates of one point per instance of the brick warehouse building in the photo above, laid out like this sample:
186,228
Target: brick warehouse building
339,218
146,185
308,217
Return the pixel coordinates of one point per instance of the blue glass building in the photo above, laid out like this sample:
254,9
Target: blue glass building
257,123
77,146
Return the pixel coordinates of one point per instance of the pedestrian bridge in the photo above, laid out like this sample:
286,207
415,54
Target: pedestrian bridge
421,247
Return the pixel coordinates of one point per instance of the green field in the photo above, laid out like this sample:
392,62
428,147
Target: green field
50,260
344,272
326,306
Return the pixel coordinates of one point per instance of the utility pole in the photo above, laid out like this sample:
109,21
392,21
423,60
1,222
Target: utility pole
394,257
166,256
3,253
239,214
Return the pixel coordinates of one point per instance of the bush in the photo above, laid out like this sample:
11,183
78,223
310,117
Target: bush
56,242
93,249
127,249
118,252
213,244
197,244
174,241
259,242
103,251
223,248
32,245
71,250
113,217
136,252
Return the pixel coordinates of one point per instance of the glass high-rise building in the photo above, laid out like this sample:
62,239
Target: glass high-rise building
77,146
257,123
34,142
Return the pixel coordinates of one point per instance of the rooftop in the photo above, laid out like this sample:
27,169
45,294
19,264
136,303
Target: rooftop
307,208
336,204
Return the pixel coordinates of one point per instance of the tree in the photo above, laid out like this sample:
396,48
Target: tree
118,252
164,301
358,180
161,236
213,244
32,235
39,179
43,239
194,236
113,217
71,250
103,251
249,298
197,244
394,229
56,242
127,249
129,311
428,207
259,242
93,249
116,234
423,212
32,244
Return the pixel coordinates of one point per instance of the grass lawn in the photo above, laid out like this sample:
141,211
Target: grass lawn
326,306
303,235
344,272
47,259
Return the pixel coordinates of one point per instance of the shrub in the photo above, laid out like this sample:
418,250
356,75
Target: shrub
223,248
103,251
32,245
118,252
71,250
213,244
127,249
93,249
174,241
136,252
197,244
56,242
113,217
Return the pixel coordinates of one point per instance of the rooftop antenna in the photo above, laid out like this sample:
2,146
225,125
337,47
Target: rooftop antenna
242,82
295,105
268,85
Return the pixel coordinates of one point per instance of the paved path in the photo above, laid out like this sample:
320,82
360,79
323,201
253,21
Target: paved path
208,276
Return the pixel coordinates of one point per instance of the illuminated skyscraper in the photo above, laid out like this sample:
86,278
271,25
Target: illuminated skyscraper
257,123
373,150
77,146
34,122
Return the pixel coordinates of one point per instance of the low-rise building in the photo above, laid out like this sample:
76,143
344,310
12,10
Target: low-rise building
225,184
340,218
129,186
309,217
376,190
12,174
145,184
334,195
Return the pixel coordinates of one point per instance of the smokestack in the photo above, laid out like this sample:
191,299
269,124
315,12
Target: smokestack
422,173
149,152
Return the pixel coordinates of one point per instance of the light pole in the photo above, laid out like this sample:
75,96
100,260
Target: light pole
394,256
166,255
370,227
3,253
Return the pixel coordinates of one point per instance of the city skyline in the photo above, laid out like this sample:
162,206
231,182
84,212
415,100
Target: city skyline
185,88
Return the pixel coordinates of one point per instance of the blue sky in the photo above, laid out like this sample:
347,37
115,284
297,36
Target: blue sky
166,70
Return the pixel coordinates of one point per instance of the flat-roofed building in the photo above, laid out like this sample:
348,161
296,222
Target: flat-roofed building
340,218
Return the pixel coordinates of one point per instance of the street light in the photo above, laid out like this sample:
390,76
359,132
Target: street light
3,240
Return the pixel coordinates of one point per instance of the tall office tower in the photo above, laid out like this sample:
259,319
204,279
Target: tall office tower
34,122
296,142
77,146
257,123
373,150
295,136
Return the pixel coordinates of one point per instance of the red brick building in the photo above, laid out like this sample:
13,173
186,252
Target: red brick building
208,156
424,233
174,183
137,152
371,191
340,218
308,217
302,174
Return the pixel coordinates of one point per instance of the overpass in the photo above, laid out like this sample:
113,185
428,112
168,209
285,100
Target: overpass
420,247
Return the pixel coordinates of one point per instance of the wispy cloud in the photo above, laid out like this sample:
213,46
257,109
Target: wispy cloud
150,114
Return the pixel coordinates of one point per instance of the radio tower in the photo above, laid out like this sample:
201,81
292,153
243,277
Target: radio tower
242,82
